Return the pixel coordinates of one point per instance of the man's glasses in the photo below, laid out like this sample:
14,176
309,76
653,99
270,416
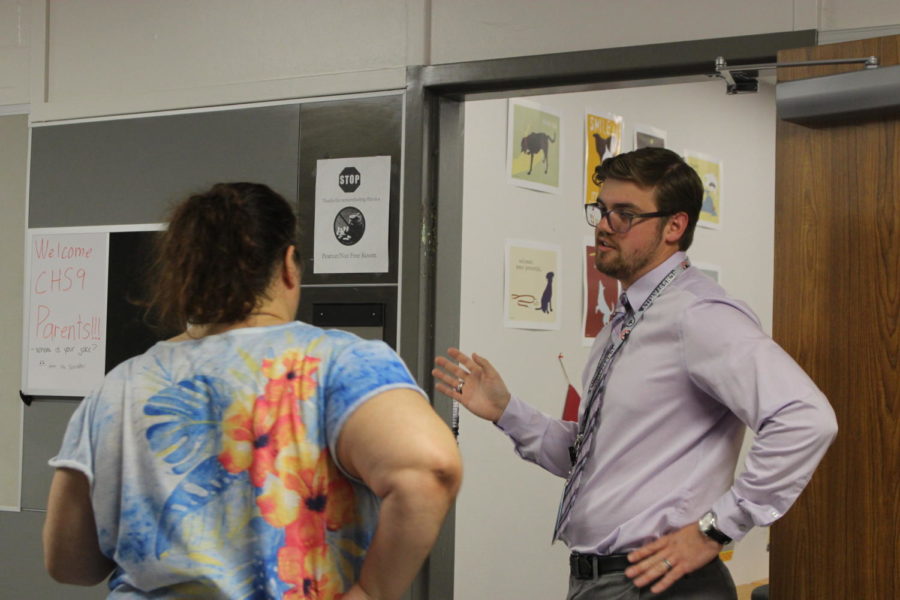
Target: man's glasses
620,220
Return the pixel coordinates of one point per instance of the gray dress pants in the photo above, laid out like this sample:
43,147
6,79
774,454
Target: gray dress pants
712,582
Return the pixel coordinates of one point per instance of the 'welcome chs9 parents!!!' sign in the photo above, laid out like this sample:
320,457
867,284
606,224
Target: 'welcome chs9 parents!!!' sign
65,304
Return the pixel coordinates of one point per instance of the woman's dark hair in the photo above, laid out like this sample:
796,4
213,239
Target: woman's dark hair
215,260
677,186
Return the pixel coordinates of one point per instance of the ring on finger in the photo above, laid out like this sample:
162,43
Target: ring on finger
668,565
459,386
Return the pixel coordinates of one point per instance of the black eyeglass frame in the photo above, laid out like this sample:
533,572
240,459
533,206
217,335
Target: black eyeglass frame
628,220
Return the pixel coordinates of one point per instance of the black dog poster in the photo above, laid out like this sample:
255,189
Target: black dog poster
533,149
532,283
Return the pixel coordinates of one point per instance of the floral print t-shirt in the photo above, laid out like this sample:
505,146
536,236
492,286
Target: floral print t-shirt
213,469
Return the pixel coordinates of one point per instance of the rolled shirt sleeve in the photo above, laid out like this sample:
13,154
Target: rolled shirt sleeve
763,386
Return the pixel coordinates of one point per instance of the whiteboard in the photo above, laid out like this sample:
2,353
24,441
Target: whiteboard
66,303
65,309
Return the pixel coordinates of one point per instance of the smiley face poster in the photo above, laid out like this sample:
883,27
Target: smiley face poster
603,139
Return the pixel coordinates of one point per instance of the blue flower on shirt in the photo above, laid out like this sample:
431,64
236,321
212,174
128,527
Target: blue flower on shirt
193,408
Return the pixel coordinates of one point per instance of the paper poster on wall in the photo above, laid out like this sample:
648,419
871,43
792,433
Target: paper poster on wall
352,215
532,285
714,272
710,171
603,139
534,146
65,336
601,292
647,136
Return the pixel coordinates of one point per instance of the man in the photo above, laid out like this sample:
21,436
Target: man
650,497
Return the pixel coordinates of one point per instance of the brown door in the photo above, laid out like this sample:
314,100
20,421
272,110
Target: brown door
837,311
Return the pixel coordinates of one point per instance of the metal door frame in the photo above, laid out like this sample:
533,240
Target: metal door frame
433,175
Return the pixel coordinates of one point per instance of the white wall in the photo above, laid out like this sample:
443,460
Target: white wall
15,47
506,508
107,56
101,57
464,30
858,14
472,29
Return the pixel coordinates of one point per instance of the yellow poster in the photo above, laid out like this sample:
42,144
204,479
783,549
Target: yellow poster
710,171
603,138
532,285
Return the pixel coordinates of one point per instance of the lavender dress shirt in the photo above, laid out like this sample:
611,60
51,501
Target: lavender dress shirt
693,373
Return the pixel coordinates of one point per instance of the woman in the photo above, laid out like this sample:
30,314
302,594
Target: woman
251,456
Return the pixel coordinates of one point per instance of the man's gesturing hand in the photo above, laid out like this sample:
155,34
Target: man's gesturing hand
473,381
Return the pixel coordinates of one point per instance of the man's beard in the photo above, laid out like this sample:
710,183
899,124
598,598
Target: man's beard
624,269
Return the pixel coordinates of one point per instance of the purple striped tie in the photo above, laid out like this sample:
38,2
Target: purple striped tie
573,483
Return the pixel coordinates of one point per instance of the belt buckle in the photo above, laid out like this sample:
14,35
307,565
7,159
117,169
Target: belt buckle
582,566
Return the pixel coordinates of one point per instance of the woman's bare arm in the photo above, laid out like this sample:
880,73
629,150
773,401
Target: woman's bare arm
405,453
71,550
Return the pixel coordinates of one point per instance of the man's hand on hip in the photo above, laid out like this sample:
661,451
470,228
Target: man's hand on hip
671,557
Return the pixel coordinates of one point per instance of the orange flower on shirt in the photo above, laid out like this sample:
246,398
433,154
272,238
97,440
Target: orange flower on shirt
254,432
327,503
313,573
237,436
300,488
293,374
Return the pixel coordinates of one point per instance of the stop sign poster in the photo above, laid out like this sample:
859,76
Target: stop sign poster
352,213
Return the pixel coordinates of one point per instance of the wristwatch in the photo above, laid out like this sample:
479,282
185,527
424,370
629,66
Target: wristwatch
708,528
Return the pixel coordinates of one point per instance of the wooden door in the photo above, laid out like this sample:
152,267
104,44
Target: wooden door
837,311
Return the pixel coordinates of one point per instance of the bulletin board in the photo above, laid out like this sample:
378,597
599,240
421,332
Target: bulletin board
94,187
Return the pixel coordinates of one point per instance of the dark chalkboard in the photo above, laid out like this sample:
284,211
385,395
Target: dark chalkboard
128,333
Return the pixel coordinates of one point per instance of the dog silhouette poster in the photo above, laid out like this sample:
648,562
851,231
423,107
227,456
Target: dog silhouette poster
533,152
603,138
532,285
601,292
710,171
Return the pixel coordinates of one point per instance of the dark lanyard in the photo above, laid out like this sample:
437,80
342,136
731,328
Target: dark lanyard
598,382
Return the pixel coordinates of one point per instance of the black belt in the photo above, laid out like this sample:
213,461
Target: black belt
589,566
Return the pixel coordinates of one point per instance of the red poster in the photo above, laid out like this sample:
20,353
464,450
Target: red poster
600,295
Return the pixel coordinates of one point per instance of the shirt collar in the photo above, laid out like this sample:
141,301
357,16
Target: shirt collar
641,288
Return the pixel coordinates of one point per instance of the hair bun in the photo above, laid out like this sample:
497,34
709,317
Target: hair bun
216,259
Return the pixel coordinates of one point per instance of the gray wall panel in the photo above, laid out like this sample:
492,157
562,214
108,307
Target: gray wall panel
129,171
13,161
44,423
23,576
344,129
